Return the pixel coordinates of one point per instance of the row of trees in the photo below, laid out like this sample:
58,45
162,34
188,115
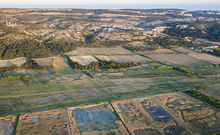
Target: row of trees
102,65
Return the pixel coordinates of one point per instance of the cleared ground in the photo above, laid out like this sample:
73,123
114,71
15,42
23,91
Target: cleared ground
83,60
205,57
123,58
178,59
60,62
157,51
17,61
53,122
100,51
183,50
44,61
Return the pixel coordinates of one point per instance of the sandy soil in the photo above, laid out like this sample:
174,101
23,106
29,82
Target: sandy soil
44,61
60,62
83,60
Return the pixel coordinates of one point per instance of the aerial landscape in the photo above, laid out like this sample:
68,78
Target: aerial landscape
126,71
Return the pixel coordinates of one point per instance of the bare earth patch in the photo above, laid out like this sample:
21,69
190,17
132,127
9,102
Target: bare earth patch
60,62
205,57
17,61
178,59
157,51
123,58
43,123
44,61
83,60
183,50
100,51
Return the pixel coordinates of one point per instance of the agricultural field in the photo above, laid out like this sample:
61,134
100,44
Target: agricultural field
96,119
99,51
205,57
7,125
204,70
83,60
17,61
44,123
199,115
178,59
123,58
139,73
173,113
183,50
134,87
60,62
157,51
145,116
57,62
44,61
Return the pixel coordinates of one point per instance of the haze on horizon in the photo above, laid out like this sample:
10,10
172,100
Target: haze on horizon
108,4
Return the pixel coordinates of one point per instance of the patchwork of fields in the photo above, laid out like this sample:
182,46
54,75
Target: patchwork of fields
172,113
145,99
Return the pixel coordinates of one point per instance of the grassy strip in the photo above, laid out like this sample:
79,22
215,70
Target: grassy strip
16,124
204,98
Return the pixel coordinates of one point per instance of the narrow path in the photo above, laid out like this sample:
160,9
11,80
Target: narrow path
120,119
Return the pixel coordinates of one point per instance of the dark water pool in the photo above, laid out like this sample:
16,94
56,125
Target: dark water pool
157,112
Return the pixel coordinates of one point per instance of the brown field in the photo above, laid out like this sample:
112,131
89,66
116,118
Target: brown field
183,50
60,62
53,122
205,57
123,58
157,51
7,125
99,51
44,61
17,61
178,59
95,119
145,116
83,60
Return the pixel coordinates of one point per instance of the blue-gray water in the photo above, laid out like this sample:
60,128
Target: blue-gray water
150,6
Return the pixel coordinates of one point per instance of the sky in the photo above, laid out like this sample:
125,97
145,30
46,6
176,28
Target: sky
106,3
